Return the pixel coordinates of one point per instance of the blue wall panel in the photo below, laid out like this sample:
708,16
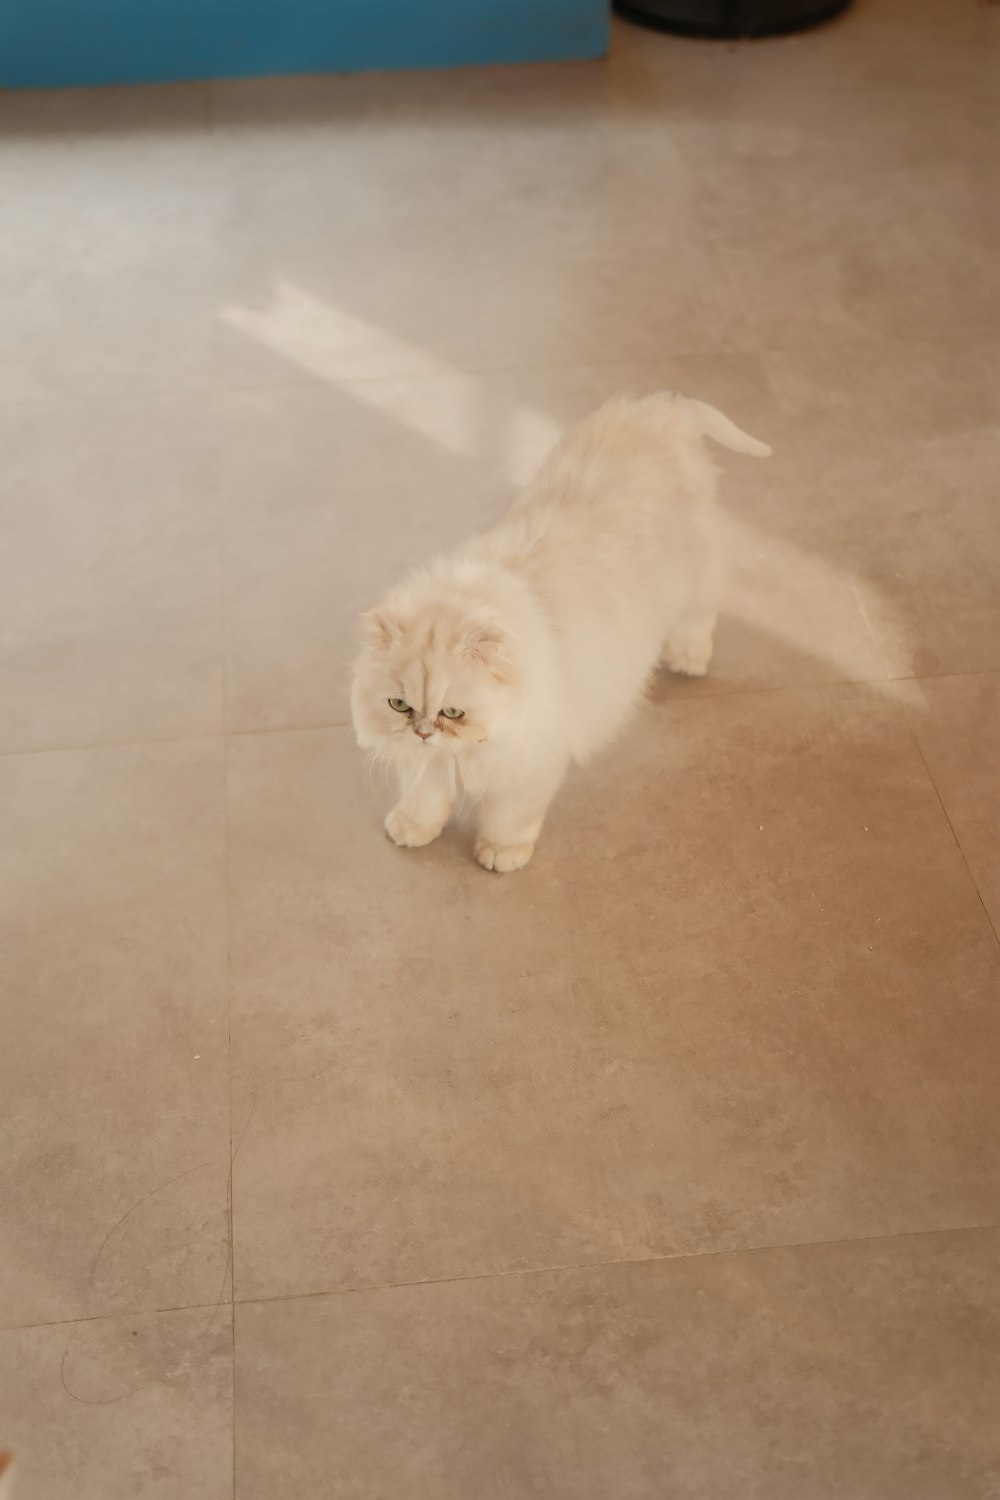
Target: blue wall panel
63,43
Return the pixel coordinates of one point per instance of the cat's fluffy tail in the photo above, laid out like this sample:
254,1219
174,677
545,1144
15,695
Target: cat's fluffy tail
713,424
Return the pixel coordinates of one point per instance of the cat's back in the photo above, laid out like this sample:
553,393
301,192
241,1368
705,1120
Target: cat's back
625,475
623,433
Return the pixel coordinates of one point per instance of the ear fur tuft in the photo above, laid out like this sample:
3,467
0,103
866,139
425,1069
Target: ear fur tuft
379,630
486,643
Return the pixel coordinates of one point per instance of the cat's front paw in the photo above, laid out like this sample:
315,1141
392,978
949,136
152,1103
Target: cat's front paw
503,858
406,833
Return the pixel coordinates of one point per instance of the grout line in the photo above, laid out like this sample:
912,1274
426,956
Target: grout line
289,728
942,676
724,352
683,695
224,699
179,739
908,722
231,1251
638,1261
526,1271
124,1314
686,695
70,748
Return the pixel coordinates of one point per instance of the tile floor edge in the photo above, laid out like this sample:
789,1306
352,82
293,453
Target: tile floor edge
993,1227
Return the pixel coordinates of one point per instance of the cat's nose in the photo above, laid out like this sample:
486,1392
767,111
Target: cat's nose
424,734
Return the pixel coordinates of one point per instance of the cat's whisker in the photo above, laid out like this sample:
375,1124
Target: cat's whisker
370,772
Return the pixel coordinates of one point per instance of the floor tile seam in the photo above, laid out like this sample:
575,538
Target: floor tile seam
984,1229
217,737
344,381
319,725
911,728
208,388
943,676
223,607
721,351
818,684
682,698
112,1315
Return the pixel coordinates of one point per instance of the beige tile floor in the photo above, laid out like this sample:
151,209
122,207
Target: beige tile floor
670,1168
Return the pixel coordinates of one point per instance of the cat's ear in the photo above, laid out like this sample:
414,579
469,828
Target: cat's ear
487,644
6,1474
380,630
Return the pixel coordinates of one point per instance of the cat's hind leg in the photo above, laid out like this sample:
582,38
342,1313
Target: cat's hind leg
688,646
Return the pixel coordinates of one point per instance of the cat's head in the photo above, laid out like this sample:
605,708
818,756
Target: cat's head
434,676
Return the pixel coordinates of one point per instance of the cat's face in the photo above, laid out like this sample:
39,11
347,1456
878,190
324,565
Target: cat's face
431,681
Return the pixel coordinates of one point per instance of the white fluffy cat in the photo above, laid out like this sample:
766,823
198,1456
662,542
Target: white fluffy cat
527,648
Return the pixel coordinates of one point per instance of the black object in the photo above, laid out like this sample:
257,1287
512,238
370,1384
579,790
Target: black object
728,17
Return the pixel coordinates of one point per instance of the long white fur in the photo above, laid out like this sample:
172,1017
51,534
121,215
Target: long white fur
544,631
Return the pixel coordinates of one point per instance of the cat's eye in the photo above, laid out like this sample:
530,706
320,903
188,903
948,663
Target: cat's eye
453,713
400,705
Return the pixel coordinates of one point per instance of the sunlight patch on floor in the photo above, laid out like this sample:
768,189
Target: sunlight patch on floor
378,368
774,585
